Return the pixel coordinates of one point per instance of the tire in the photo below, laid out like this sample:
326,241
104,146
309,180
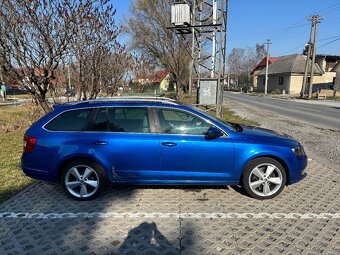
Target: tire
256,182
83,179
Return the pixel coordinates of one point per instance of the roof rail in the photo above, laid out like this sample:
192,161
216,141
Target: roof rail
131,98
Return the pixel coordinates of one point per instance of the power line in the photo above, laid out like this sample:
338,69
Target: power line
331,6
325,39
303,5
329,42
289,29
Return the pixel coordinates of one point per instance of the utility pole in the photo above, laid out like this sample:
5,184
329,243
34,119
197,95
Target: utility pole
267,65
316,20
305,77
214,41
192,62
221,59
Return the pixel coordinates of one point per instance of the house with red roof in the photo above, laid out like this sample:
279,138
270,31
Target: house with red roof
260,66
161,80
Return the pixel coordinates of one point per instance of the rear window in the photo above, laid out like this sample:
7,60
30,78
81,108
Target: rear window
75,120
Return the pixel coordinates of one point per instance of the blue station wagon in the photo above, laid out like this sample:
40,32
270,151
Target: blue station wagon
85,145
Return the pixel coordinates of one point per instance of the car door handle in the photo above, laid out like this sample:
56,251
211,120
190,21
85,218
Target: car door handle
100,143
169,144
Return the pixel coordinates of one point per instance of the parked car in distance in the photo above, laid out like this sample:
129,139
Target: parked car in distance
140,140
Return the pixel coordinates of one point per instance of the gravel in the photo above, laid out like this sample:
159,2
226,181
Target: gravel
320,144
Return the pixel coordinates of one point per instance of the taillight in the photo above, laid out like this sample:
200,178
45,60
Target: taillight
29,143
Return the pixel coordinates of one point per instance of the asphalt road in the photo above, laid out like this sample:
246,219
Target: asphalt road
322,116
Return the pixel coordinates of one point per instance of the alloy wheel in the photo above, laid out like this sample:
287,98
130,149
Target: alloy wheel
265,180
81,181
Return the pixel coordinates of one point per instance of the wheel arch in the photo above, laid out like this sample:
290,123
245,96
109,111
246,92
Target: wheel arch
67,161
277,158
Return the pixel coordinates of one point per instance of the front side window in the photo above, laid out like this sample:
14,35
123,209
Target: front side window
179,122
75,120
129,119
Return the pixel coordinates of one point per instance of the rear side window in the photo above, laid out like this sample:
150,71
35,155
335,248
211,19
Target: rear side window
75,120
129,119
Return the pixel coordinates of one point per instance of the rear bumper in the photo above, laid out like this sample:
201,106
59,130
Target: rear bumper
38,174
35,173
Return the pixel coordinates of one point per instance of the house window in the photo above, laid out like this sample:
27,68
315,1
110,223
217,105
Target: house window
263,81
280,81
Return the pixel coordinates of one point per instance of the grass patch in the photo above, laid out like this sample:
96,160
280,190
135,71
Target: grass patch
230,116
21,96
14,120
12,179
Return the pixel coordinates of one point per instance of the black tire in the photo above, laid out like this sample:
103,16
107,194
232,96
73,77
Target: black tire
250,175
96,177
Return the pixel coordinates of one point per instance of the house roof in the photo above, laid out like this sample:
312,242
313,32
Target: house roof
291,64
159,76
263,63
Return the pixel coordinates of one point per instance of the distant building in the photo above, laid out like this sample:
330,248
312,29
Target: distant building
163,79
160,80
262,65
286,74
326,62
336,69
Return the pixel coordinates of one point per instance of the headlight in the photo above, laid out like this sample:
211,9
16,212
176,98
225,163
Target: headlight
299,151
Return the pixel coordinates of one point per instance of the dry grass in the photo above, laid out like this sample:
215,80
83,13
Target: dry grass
19,117
14,120
12,179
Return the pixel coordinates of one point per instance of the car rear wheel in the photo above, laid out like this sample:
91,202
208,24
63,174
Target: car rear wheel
264,178
83,179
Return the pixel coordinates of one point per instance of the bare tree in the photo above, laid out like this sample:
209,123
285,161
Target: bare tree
37,35
34,38
118,69
148,29
142,73
242,61
95,39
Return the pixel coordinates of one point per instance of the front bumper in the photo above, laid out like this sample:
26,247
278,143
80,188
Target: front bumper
299,170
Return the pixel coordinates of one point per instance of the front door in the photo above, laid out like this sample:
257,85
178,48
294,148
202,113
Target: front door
187,154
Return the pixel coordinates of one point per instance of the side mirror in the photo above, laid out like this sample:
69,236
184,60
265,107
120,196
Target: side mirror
213,133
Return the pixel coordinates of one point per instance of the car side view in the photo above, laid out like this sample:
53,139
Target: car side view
139,140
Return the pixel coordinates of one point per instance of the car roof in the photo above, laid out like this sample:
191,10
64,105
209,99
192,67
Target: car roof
120,101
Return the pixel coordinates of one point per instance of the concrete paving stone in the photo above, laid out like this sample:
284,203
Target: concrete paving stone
317,193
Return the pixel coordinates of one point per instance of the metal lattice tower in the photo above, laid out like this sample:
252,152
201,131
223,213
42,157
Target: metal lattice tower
207,32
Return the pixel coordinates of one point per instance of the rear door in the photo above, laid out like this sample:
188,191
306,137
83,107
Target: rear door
186,153
124,138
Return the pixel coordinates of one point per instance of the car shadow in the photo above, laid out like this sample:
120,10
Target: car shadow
239,190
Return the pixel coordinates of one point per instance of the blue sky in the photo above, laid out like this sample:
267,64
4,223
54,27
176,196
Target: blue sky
283,21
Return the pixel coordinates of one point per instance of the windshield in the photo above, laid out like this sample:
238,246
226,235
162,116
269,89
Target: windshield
232,126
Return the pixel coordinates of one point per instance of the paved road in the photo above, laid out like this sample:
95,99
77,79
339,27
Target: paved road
304,219
322,116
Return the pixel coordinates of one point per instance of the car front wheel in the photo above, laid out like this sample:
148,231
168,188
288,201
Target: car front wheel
83,179
264,178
